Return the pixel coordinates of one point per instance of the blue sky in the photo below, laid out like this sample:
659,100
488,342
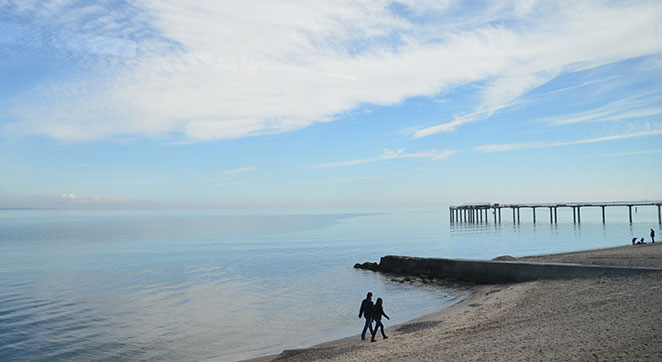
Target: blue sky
253,104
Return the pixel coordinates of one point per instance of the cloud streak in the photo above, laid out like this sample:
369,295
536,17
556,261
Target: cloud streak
456,122
238,171
531,145
633,153
639,106
392,155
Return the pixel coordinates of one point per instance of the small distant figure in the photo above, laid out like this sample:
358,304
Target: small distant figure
652,235
634,241
642,241
366,312
377,313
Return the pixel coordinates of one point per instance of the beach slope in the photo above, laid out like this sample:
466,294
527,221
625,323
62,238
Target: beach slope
599,318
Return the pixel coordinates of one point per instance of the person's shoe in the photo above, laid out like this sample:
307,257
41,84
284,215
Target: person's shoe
373,340
385,337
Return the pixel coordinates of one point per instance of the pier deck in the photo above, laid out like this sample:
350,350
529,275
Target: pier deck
476,213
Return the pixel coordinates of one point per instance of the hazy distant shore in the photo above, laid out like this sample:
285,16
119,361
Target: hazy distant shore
605,318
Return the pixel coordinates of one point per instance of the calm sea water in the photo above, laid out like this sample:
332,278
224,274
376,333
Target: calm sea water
198,285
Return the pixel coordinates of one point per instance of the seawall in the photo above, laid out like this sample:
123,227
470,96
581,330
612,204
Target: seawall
484,271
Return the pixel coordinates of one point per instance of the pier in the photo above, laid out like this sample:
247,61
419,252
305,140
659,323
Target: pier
479,213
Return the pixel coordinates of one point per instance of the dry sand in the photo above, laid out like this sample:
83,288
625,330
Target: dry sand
593,319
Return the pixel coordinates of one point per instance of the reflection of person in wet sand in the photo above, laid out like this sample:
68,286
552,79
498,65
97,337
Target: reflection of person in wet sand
377,313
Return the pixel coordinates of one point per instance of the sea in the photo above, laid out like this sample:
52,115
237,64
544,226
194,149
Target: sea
219,285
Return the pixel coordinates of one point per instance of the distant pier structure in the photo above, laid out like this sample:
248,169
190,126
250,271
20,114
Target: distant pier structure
478,213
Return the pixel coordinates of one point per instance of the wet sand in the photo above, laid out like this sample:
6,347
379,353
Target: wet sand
602,318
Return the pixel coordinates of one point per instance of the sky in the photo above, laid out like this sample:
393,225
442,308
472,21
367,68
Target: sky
328,104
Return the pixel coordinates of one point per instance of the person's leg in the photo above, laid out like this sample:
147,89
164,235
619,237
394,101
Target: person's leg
373,332
378,323
365,327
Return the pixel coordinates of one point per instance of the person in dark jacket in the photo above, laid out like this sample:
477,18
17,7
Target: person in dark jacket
366,312
377,313
652,235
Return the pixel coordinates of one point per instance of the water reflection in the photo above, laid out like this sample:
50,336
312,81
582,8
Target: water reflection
170,287
187,286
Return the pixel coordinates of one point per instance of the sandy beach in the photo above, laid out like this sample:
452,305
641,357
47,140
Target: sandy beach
592,319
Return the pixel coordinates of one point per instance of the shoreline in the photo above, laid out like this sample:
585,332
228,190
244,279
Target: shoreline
493,310
419,323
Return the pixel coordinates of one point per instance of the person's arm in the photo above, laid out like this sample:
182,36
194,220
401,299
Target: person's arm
361,310
386,316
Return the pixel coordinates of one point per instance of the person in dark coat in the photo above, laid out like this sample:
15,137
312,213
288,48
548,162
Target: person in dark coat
377,313
366,312
652,235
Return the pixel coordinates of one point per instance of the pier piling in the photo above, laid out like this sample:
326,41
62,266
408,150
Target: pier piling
551,214
603,214
574,216
513,215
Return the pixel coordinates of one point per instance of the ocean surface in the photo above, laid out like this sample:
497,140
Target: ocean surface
229,285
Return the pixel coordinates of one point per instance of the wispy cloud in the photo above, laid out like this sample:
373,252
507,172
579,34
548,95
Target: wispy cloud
637,106
456,122
228,70
529,145
633,153
333,181
238,171
392,155
576,86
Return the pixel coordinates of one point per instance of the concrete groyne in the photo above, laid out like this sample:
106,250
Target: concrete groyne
484,271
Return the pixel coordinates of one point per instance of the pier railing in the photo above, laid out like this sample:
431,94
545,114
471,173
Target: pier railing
478,212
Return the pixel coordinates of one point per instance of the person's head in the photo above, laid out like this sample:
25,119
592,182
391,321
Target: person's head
369,296
379,301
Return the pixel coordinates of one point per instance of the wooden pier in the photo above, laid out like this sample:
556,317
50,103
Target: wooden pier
478,213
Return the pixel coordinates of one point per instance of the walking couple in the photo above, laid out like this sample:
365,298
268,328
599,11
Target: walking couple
372,312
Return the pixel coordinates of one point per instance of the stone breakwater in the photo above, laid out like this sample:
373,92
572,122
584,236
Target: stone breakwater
495,271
